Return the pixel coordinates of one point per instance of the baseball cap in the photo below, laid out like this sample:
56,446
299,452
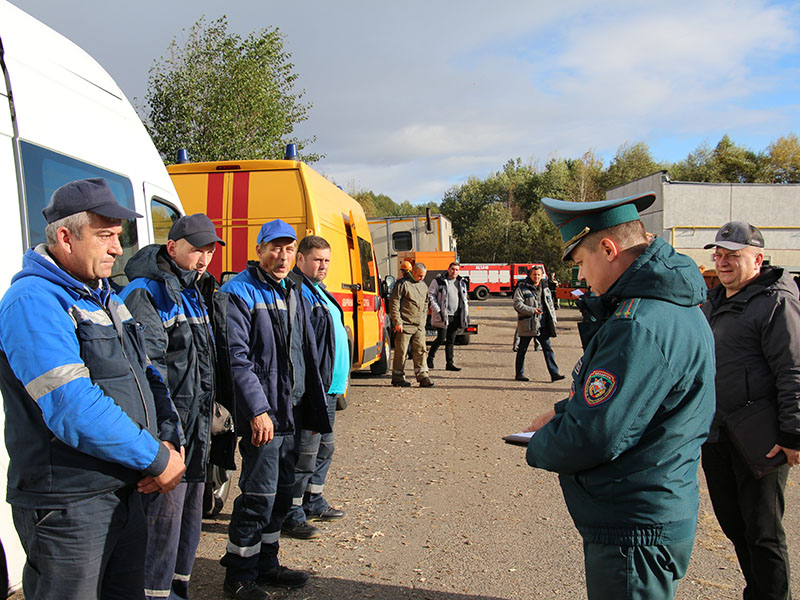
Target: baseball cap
274,230
196,229
737,235
85,194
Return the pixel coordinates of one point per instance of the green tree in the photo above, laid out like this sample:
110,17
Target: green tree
225,97
726,163
783,159
631,162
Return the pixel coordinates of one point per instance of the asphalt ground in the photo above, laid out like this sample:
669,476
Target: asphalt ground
440,508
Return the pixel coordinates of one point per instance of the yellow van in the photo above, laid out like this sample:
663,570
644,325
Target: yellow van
240,196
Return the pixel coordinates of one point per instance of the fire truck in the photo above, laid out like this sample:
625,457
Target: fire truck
495,278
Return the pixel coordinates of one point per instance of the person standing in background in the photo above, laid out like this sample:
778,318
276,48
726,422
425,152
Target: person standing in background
447,296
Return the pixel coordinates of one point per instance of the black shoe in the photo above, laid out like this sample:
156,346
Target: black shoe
301,531
452,367
521,378
430,362
400,383
282,577
329,514
244,590
555,378
425,382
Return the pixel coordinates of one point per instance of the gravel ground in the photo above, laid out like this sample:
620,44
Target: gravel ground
440,508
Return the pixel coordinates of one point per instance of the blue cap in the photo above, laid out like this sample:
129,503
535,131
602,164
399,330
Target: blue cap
274,230
85,194
576,220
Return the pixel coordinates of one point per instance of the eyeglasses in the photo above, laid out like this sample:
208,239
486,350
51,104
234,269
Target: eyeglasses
732,256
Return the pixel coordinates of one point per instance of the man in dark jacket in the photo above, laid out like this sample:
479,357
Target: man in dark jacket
447,297
88,421
536,319
755,317
314,449
626,443
268,358
164,296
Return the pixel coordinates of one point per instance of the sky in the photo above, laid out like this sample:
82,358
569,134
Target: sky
412,98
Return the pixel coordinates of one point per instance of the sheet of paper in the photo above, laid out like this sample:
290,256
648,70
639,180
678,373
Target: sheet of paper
521,438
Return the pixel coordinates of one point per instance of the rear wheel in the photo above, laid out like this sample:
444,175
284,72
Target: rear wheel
381,366
463,339
481,293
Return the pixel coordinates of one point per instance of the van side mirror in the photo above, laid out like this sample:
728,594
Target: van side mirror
387,284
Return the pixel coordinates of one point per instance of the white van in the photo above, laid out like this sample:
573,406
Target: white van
62,117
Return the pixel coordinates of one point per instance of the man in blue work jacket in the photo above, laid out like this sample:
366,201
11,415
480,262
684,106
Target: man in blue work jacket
315,450
88,421
269,366
164,295
626,442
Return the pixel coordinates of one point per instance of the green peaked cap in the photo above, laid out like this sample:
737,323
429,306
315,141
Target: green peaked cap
576,220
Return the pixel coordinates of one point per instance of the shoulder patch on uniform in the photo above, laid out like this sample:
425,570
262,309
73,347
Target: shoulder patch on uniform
600,386
627,308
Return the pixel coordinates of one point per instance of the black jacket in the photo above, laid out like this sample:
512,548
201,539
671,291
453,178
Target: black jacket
757,336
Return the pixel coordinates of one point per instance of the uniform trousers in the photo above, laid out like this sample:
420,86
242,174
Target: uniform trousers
267,484
750,513
447,336
635,572
91,549
314,455
401,342
174,523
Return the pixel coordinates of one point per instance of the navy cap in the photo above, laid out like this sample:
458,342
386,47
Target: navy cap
576,220
737,235
274,230
85,194
196,229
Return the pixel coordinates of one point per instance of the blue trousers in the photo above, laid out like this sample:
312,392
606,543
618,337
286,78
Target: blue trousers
174,523
314,455
635,572
547,350
91,549
267,485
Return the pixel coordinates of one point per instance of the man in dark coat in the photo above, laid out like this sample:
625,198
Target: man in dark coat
755,317
164,295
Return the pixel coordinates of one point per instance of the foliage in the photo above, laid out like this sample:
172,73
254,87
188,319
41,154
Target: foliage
632,161
783,159
381,205
225,97
725,163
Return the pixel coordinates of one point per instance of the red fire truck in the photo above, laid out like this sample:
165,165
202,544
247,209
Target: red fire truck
494,278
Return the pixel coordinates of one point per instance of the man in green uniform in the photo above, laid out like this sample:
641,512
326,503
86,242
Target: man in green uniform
626,442
408,308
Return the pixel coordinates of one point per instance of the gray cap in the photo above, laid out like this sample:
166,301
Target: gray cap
737,235
85,194
196,229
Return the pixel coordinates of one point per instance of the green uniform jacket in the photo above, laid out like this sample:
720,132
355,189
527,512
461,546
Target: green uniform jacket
626,443
408,305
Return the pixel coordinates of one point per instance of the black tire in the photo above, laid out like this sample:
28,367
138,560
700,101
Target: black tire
381,366
481,293
218,487
463,339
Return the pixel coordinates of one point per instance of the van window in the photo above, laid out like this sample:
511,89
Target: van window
367,266
164,215
401,240
44,171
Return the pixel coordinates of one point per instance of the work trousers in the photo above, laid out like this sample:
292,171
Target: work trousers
547,350
401,342
267,484
446,336
92,549
314,455
174,523
750,513
635,572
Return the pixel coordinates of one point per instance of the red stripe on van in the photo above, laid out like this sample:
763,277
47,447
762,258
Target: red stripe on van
239,209
216,186
345,300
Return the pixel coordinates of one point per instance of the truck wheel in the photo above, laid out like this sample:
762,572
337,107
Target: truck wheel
218,486
481,293
380,366
463,339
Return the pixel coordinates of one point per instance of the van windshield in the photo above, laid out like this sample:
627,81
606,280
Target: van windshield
44,171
